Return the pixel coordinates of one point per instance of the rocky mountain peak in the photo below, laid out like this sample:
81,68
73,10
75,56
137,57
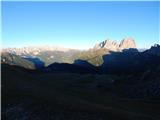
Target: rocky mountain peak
109,44
126,43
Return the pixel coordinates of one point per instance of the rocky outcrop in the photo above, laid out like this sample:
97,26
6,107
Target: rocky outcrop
114,46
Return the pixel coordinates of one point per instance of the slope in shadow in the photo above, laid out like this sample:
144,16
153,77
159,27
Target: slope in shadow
131,61
39,64
69,68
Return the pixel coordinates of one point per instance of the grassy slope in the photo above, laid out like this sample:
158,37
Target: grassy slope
74,93
93,56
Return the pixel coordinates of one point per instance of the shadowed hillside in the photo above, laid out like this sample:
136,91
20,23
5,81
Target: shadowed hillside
69,96
131,61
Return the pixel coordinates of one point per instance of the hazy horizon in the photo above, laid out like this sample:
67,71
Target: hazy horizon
79,25
59,46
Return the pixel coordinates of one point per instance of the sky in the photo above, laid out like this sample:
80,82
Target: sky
79,25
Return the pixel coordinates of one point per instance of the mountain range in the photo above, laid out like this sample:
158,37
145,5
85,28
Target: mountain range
51,54
109,81
106,57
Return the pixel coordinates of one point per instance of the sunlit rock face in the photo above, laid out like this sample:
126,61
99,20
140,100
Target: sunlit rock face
109,44
127,43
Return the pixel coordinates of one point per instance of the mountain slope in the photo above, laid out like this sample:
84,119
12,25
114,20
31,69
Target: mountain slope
12,59
93,56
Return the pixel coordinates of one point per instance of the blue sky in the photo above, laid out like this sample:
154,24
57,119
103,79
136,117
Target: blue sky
79,24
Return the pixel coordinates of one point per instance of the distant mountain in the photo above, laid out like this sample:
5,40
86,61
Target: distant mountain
108,44
126,43
47,54
34,50
12,59
95,55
